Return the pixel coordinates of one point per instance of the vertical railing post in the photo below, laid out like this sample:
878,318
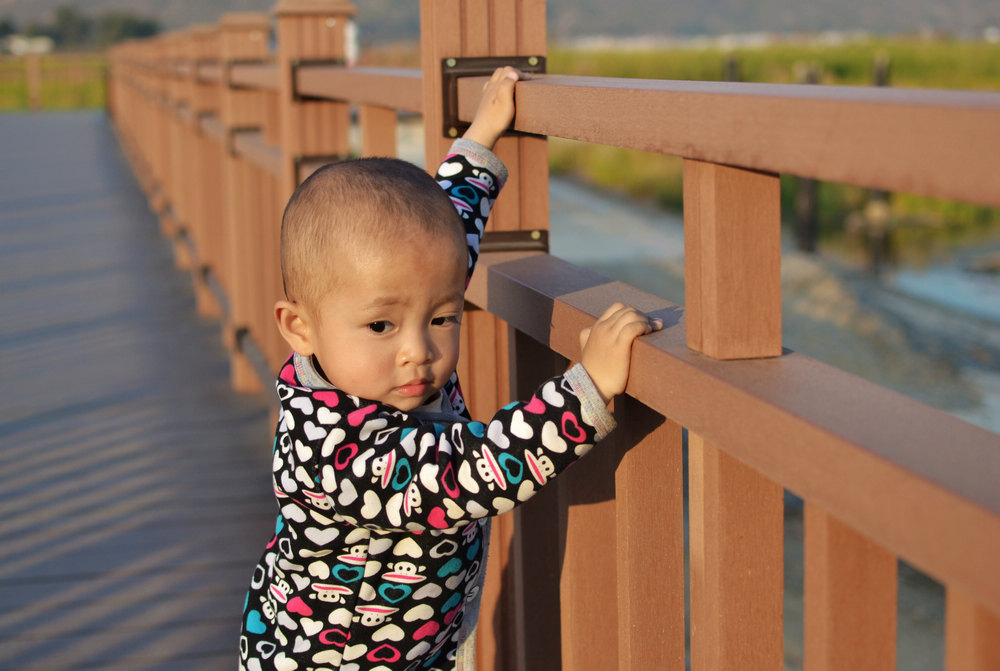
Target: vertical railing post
310,131
972,635
529,603
202,174
733,310
850,598
470,28
243,38
176,154
649,548
378,130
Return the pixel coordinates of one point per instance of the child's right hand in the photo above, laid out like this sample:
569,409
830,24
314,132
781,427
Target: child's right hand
607,347
496,107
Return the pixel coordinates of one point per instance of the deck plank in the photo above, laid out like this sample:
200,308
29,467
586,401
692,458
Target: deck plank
134,484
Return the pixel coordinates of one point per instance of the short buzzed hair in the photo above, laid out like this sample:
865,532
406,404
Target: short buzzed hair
351,205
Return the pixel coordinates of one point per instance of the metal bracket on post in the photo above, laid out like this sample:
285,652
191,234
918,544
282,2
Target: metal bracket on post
233,132
227,71
515,241
203,62
296,64
452,69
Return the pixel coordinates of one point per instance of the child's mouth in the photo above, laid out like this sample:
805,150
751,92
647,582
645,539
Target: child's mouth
414,388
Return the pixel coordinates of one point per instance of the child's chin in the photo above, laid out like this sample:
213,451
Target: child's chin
405,404
410,403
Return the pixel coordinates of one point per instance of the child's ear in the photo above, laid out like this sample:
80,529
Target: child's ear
293,323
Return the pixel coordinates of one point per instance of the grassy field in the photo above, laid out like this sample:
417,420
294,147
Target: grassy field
67,81
917,224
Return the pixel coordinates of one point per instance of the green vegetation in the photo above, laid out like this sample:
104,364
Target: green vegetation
72,30
915,222
68,81
941,64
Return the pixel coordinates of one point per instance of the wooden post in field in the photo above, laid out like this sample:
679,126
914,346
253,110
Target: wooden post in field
471,28
311,132
243,37
806,204
33,76
733,295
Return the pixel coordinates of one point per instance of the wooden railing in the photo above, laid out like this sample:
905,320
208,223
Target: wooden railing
591,573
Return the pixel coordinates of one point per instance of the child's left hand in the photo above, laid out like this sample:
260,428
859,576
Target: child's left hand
496,107
607,347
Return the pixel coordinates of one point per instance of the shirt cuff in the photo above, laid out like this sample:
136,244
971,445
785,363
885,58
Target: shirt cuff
481,157
592,407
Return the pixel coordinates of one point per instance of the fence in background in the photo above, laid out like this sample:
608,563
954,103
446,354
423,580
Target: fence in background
591,573
53,81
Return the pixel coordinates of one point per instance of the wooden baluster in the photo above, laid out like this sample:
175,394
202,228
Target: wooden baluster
850,598
202,175
243,37
531,637
177,107
378,130
650,538
308,30
589,580
733,295
972,635
467,28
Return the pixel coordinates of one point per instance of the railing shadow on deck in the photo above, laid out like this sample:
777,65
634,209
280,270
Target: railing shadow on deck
220,131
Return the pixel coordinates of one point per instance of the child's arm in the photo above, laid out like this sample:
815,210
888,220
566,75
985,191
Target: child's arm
471,174
375,466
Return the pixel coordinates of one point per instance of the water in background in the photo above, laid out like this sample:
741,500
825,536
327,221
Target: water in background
932,335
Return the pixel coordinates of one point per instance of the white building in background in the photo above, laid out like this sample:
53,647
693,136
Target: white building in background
20,45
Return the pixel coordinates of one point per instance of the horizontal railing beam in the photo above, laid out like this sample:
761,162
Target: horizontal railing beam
264,76
943,144
250,145
209,72
393,88
213,127
918,480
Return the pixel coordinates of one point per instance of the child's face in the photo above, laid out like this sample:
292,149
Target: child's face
390,329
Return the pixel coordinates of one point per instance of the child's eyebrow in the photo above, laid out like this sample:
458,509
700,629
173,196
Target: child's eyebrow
388,301
381,302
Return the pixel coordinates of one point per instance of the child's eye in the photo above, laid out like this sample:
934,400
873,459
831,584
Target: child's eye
441,321
380,326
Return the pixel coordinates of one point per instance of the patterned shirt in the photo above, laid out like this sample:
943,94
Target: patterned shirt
380,548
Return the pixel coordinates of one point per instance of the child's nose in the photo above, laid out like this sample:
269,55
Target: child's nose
418,348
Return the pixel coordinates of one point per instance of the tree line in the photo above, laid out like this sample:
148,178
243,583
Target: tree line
69,29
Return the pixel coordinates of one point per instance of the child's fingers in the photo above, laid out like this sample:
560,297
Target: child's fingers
622,320
508,72
505,76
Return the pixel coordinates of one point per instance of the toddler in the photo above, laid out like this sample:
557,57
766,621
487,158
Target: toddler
385,486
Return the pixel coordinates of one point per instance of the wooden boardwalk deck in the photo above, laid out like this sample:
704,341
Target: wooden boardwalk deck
134,485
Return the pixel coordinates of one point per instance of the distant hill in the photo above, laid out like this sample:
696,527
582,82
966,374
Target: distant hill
392,20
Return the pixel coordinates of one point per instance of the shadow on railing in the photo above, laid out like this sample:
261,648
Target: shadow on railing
591,574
